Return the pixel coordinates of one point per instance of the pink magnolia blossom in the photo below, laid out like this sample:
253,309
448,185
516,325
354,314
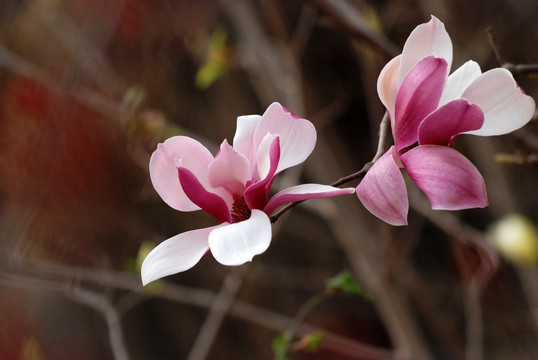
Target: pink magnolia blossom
428,111
234,187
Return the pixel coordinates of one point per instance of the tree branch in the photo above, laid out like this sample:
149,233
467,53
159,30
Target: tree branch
381,147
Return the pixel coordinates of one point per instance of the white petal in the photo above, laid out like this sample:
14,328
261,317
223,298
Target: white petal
459,80
177,254
426,39
244,136
235,244
297,136
506,108
387,85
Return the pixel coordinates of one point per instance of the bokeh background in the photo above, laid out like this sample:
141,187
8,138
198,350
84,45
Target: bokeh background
89,87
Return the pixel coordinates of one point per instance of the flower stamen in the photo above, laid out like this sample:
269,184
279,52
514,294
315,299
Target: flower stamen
240,209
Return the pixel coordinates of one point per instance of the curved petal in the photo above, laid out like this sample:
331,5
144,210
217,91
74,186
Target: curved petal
417,97
163,169
426,39
243,141
211,203
297,136
235,244
506,108
268,155
383,192
443,126
447,178
257,194
459,80
229,169
387,85
304,192
177,254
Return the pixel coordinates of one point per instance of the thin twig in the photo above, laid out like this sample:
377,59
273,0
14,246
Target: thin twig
85,96
82,296
46,276
304,310
473,326
350,20
113,321
516,69
381,146
217,312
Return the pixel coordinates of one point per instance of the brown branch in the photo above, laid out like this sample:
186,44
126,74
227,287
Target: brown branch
515,69
381,146
347,18
46,276
82,296
219,308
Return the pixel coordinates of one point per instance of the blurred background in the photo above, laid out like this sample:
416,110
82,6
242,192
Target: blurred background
89,87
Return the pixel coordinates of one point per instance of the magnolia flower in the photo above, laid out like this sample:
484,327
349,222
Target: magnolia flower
233,187
428,111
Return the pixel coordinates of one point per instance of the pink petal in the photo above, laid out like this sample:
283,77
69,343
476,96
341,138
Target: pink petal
447,178
229,169
459,80
506,108
163,170
256,194
388,83
209,202
177,254
268,155
235,244
297,136
417,97
304,192
425,40
383,192
243,141
443,125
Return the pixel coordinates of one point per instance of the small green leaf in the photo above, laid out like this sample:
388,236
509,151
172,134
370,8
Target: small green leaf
344,282
280,346
314,341
216,61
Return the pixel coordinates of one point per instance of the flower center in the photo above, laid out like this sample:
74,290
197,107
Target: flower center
240,209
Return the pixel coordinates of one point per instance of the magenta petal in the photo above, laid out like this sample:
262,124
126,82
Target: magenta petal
383,192
447,178
304,192
257,194
443,125
209,202
268,156
417,97
229,169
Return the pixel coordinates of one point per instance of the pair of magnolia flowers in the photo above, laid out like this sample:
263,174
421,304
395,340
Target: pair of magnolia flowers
428,110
